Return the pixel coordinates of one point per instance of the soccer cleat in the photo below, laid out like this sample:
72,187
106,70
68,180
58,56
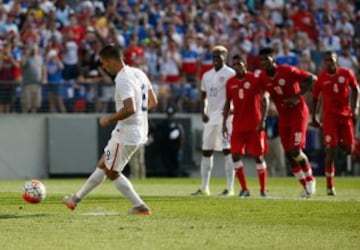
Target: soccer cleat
227,192
140,210
331,191
304,194
244,193
311,186
263,194
71,201
201,192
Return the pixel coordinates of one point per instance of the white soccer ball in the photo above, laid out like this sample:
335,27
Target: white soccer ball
34,191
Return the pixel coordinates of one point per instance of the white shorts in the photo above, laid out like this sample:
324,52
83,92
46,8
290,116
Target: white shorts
117,155
213,138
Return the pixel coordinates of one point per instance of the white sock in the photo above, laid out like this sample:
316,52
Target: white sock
95,179
127,189
206,166
229,172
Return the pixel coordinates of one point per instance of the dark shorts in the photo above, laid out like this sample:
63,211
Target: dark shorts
70,72
6,94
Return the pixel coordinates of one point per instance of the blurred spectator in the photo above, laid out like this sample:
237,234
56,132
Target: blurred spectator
304,20
8,66
347,60
55,82
70,57
329,40
34,75
242,26
170,74
286,56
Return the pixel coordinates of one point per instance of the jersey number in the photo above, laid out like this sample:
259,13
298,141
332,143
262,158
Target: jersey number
241,93
213,92
336,88
278,90
144,101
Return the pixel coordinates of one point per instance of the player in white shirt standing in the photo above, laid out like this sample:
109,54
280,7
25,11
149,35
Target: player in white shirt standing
213,96
133,97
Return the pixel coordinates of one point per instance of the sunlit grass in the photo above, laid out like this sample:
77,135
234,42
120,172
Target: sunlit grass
180,221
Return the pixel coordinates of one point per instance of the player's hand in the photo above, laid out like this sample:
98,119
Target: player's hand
291,102
205,118
225,131
260,126
315,123
104,121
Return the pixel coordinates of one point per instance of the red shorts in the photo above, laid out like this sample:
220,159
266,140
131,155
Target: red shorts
293,133
255,142
338,129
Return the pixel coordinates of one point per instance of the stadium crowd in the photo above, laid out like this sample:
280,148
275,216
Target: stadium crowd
49,49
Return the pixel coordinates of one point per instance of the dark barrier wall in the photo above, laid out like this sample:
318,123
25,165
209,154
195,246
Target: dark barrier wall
154,151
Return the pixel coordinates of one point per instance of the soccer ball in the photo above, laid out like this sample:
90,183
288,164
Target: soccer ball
33,191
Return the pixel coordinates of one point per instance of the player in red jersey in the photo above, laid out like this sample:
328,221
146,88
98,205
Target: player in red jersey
286,86
335,85
250,106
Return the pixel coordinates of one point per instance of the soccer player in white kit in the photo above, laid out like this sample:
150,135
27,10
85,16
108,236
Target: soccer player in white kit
133,97
213,96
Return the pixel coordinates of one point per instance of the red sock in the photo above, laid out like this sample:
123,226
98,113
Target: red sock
329,173
308,172
299,174
240,174
262,179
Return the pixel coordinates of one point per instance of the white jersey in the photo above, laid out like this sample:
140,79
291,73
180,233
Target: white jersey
132,83
214,84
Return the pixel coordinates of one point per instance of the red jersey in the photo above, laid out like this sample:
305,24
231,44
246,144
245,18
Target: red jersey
245,95
335,89
284,85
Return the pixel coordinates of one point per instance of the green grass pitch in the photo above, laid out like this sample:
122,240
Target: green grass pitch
180,221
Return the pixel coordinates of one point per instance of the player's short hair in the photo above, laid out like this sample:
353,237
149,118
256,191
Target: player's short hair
221,49
266,51
239,57
111,51
330,53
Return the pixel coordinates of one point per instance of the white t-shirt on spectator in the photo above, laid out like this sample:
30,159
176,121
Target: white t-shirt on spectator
70,54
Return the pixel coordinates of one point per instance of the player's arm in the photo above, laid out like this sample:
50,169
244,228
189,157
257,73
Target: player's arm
306,85
315,107
127,110
355,95
226,112
306,81
152,101
265,104
203,103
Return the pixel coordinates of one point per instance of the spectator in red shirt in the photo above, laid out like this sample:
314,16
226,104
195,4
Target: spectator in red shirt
305,21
